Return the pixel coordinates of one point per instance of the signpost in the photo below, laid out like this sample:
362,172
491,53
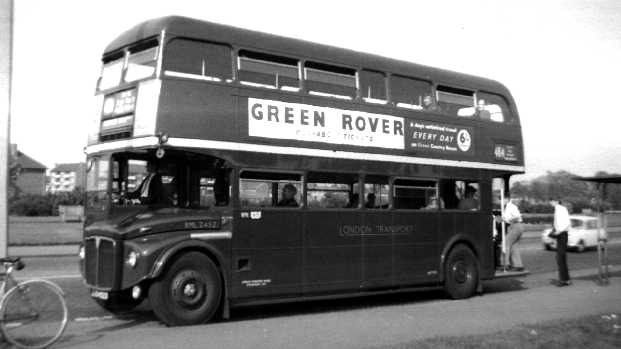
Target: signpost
6,55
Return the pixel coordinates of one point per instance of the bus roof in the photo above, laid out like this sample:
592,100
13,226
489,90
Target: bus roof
198,29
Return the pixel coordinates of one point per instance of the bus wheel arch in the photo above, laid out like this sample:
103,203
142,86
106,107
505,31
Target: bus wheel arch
210,265
461,270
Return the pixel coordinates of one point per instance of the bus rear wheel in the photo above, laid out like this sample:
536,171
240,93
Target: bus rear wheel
461,273
189,291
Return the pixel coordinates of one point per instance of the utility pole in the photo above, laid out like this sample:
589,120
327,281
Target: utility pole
6,60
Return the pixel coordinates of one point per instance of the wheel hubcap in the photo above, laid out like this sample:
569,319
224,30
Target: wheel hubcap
460,272
188,289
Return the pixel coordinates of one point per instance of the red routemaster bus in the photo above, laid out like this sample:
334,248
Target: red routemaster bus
227,167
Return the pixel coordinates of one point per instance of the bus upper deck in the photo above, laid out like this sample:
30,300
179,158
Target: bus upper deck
206,85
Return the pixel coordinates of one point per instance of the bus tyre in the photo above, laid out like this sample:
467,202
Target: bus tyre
118,303
461,273
189,291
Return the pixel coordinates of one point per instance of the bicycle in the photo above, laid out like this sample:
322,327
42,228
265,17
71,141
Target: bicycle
33,313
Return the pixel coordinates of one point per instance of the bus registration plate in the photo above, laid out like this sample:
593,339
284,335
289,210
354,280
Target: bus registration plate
100,295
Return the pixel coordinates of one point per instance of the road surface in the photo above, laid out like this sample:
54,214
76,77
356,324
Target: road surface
356,322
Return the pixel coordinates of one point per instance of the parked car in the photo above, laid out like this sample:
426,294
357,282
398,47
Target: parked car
583,234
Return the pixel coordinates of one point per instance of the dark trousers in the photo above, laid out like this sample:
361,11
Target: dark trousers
561,256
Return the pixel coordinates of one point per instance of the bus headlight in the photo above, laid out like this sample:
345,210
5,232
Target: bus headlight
81,252
132,259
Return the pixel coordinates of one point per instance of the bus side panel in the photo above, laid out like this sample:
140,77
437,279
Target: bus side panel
377,251
477,226
415,252
197,109
267,253
332,251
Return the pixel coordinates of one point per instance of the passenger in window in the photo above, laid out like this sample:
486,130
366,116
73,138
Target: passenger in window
288,196
434,203
370,203
469,202
429,104
482,112
354,199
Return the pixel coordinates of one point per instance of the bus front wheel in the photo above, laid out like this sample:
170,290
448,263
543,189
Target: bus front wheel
189,291
461,273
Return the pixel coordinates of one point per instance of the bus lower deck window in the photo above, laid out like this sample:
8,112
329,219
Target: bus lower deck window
376,192
414,194
270,189
460,194
331,190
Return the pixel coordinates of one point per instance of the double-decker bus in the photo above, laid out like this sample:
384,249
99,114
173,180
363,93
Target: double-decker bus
227,167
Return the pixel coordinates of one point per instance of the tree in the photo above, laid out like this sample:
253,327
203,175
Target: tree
578,195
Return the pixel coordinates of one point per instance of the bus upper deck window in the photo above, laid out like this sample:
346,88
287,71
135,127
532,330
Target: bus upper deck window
455,101
197,59
492,107
111,73
330,81
411,93
373,86
141,64
266,70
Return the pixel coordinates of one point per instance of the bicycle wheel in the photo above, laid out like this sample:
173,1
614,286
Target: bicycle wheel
33,314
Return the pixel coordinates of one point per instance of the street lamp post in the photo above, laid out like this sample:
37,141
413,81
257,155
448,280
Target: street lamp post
6,56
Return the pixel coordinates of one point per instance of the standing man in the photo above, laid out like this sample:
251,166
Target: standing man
513,220
561,227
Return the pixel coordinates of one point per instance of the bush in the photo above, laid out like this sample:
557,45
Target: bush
538,218
44,205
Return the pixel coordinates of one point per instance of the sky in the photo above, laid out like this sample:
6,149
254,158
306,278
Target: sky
560,60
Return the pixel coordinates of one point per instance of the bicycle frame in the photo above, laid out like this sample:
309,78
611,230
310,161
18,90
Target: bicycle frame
7,278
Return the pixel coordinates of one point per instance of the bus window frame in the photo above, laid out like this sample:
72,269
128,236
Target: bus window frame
368,99
406,106
200,77
508,119
325,70
364,193
392,193
466,183
302,193
286,88
331,209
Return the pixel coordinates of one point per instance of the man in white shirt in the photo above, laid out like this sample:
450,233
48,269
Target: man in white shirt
513,219
561,227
